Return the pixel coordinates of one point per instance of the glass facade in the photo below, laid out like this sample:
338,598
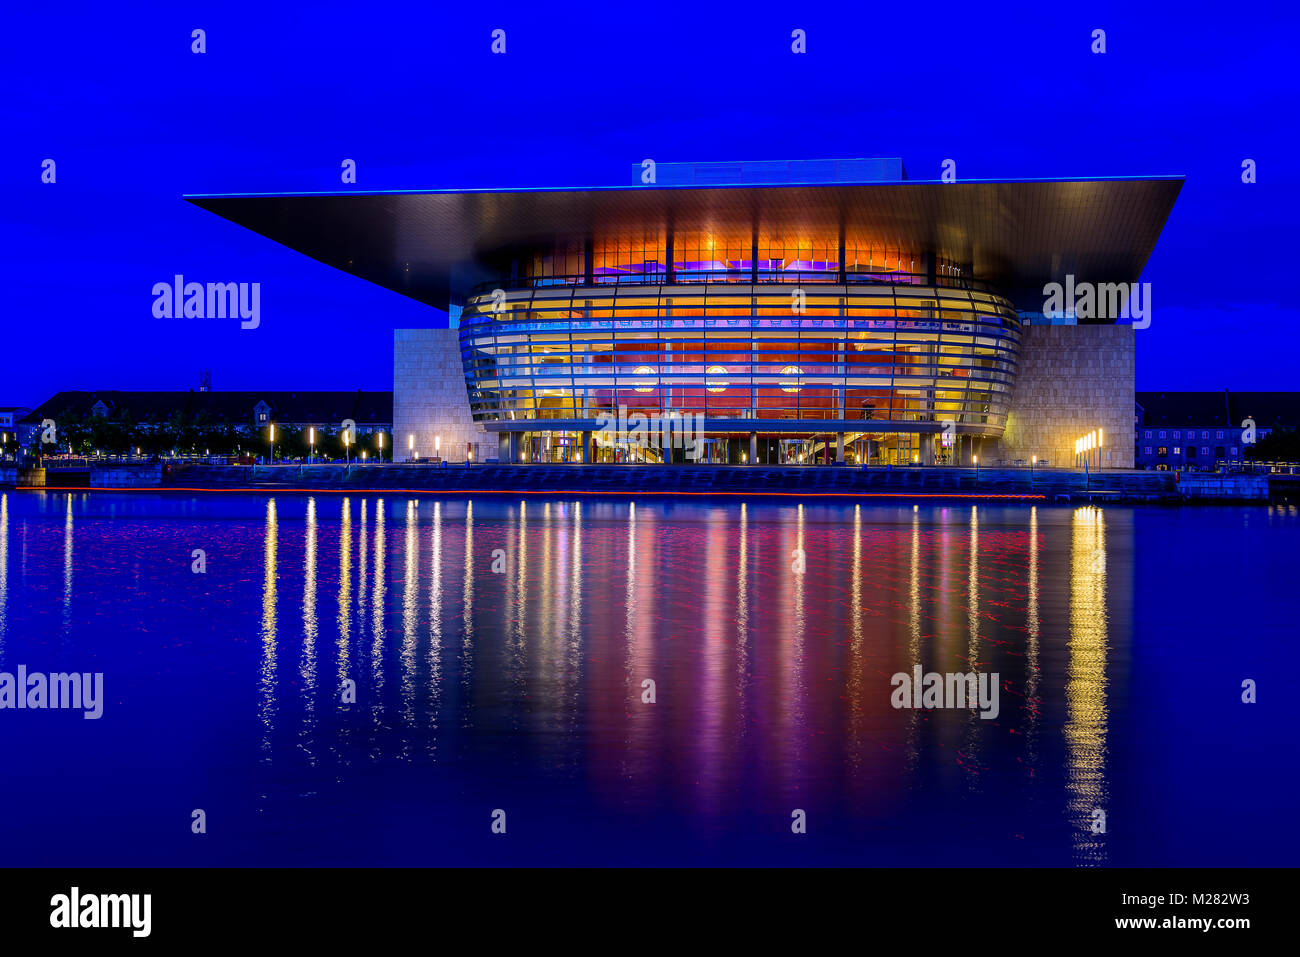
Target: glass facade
878,355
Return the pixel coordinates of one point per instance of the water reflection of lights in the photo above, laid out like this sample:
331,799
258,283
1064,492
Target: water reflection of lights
1031,651
974,731
797,680
4,565
378,593
310,629
1085,692
435,627
67,566
467,603
267,682
410,612
344,618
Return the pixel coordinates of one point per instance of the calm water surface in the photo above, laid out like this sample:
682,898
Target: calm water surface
499,649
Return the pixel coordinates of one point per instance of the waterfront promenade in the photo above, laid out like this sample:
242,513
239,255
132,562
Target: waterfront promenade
938,483
1041,485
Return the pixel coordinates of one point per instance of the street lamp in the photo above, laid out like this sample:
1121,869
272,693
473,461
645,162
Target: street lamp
311,445
410,447
437,446
271,442
381,446
347,445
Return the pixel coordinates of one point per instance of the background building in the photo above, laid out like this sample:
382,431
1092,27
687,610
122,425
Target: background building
798,312
1204,431
246,413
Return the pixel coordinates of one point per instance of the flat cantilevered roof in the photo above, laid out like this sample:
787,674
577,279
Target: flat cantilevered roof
432,245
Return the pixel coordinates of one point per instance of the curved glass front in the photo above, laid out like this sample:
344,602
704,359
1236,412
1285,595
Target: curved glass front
893,355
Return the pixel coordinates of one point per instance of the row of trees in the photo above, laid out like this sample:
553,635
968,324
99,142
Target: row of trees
86,434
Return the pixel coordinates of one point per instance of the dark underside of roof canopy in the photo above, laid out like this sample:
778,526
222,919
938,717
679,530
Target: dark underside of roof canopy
432,246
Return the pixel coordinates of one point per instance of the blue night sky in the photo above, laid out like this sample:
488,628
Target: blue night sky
413,94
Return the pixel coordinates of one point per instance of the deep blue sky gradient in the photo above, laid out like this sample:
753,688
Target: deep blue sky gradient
413,94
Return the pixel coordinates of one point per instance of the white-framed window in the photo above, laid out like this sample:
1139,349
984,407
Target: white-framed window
1147,450
1219,434
1233,450
1162,433
1147,436
1205,450
1205,434
1177,434
1178,450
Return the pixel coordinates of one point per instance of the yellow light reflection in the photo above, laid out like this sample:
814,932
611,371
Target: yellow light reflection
307,666
268,663
344,618
1085,692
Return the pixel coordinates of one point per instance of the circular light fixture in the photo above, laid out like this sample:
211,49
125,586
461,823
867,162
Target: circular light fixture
714,385
643,370
791,386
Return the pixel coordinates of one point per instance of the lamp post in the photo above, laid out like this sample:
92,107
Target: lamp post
410,447
1087,472
381,445
311,445
347,446
271,442
437,446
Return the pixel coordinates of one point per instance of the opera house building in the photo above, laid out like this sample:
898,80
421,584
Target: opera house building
801,312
